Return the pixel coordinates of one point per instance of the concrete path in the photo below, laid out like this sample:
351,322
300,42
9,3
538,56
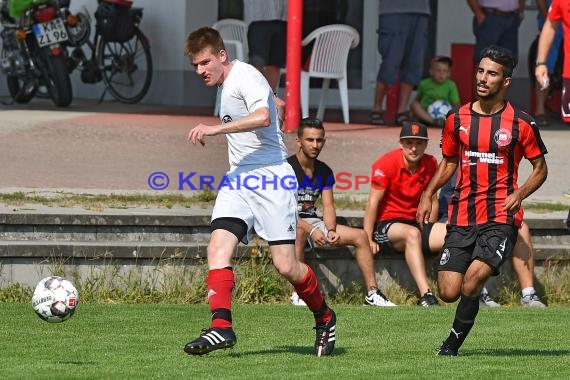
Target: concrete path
111,147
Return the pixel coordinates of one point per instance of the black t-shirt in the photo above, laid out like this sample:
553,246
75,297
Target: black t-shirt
309,189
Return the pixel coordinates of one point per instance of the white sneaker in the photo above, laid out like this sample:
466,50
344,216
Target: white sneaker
488,301
377,299
296,300
532,301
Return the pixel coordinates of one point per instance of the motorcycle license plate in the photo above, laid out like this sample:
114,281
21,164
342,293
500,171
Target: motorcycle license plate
50,32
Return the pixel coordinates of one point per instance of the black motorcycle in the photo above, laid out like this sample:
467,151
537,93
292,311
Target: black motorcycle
34,52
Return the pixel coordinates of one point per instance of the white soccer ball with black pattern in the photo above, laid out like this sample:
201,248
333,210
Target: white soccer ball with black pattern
439,109
55,299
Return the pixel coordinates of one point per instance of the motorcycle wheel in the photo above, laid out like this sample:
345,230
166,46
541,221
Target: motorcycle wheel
57,80
17,92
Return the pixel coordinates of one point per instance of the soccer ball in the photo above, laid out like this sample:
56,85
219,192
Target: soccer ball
55,299
439,109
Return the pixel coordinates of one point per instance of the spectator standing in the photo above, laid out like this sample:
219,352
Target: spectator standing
552,58
267,36
559,12
402,42
496,22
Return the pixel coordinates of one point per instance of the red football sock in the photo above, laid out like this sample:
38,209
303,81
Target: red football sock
220,283
308,291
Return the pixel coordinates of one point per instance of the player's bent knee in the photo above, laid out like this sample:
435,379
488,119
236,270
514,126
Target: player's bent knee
448,292
285,269
471,288
448,295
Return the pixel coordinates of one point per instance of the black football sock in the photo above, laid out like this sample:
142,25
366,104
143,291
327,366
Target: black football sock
465,314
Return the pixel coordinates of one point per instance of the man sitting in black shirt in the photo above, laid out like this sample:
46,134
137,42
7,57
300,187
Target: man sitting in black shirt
315,178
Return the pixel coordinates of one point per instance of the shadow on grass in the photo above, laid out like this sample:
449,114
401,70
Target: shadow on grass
77,362
300,350
514,352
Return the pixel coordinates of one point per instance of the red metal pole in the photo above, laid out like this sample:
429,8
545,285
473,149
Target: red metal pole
293,77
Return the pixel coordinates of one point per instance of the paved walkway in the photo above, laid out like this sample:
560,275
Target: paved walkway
111,147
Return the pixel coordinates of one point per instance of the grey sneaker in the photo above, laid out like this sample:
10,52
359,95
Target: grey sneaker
532,301
488,301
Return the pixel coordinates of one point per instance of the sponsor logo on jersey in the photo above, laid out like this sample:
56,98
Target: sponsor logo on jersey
226,119
485,157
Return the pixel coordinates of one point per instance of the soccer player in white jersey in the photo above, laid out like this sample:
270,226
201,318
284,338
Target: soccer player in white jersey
266,201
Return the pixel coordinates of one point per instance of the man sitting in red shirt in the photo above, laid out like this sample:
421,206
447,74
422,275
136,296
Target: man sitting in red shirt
398,180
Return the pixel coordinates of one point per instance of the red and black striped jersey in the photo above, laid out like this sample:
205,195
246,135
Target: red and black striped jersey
490,148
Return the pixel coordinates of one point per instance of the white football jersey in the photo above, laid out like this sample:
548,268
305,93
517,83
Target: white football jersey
242,92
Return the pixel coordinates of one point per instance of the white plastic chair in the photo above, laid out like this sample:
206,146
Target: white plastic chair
328,61
234,34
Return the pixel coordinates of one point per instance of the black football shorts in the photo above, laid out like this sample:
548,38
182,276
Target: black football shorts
491,243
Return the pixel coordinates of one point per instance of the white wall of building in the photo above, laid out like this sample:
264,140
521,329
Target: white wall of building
167,22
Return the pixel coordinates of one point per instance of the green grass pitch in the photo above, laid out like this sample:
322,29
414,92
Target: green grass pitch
275,341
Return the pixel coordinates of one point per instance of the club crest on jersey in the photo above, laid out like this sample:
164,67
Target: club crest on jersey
503,137
226,119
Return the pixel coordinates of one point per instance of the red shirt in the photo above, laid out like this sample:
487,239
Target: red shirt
490,148
559,11
403,189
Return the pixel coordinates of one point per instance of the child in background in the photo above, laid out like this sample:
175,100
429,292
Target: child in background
437,94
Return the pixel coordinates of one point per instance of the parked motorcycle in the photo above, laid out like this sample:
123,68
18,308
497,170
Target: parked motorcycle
34,51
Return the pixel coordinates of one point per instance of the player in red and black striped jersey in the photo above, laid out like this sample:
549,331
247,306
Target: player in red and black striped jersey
485,140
